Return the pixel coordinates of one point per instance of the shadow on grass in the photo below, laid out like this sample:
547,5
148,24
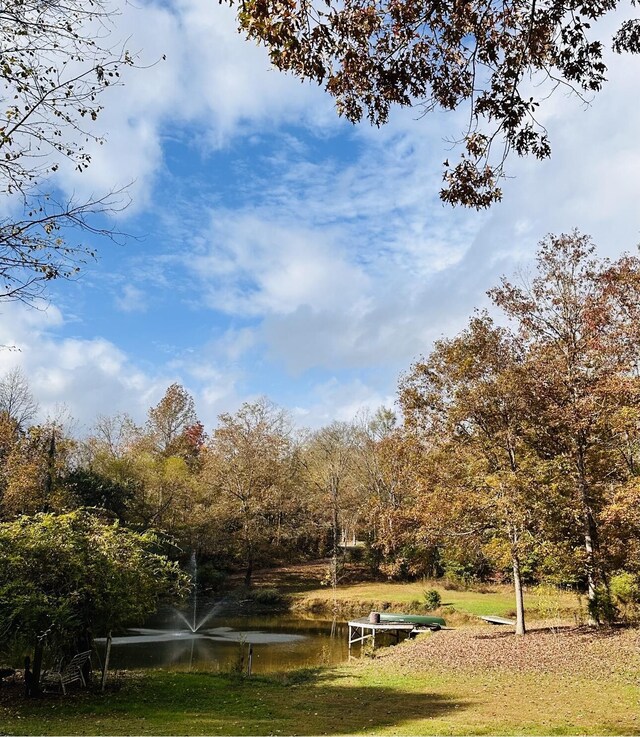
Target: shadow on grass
315,702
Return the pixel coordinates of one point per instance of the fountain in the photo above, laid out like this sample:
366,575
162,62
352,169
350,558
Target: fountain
193,623
184,637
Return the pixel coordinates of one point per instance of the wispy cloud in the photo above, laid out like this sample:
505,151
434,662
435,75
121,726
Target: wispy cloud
131,299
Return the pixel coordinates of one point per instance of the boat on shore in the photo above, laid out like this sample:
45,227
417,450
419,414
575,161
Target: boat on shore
417,619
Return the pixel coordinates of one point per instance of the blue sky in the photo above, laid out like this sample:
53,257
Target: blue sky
275,249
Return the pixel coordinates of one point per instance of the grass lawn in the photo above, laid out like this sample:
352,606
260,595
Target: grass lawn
558,682
303,584
500,601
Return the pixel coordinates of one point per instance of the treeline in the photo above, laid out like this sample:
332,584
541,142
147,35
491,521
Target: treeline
252,492
516,456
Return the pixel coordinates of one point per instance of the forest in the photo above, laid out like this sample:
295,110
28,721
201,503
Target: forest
512,455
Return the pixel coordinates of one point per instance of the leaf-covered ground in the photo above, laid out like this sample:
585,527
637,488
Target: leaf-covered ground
603,653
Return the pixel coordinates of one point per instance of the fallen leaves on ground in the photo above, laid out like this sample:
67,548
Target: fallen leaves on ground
587,651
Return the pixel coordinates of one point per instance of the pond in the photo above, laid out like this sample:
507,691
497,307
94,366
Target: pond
279,643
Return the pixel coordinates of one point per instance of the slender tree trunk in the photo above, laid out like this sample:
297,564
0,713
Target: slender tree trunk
592,572
517,585
279,530
84,643
105,668
335,542
590,533
38,652
249,572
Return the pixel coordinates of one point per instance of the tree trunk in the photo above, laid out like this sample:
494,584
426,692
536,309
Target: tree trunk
249,571
84,643
105,668
591,568
335,544
517,585
38,652
590,533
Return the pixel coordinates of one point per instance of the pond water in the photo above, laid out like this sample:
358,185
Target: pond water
279,643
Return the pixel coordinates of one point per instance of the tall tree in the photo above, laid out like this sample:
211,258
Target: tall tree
248,468
329,461
387,464
33,469
466,400
579,321
106,471
147,475
475,56
171,419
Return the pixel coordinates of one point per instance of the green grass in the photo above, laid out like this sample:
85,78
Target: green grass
360,699
499,600
367,697
302,583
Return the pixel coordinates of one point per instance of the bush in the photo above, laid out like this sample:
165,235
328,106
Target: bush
449,583
625,592
432,599
625,589
602,608
266,600
211,578
68,574
269,597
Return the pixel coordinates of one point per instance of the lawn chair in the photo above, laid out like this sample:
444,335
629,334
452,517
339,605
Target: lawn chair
7,673
70,673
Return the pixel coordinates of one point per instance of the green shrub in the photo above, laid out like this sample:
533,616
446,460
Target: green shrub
625,589
269,597
211,578
602,608
432,599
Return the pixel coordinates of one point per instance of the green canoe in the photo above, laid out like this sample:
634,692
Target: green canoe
412,619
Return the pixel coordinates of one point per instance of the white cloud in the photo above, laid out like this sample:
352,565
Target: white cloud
336,399
339,263
358,265
89,377
57,369
196,77
132,299
252,265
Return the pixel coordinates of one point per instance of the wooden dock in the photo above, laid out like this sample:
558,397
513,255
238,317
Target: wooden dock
361,630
